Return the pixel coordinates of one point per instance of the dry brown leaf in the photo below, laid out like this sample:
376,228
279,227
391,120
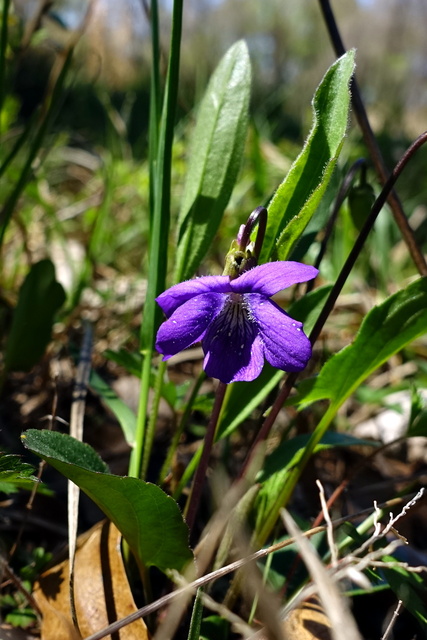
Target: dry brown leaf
101,590
307,622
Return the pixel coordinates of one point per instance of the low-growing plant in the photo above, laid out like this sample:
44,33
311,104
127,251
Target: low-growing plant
261,366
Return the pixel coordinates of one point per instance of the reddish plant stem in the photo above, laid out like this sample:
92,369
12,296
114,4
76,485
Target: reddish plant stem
200,475
339,490
336,493
336,290
358,166
372,145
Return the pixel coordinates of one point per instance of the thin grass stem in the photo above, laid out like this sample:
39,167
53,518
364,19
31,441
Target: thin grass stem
159,236
9,206
152,419
19,143
155,100
180,428
3,51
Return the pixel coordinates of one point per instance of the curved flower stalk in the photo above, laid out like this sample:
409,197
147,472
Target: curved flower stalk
236,321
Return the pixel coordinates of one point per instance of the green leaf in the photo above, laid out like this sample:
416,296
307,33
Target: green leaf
15,474
308,308
287,452
175,394
299,195
149,520
419,426
244,397
215,627
277,466
40,297
196,617
408,587
123,413
216,154
418,416
386,329
22,618
132,362
12,465
319,221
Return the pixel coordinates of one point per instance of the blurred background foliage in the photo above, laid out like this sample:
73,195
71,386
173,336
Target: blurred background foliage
87,202
289,50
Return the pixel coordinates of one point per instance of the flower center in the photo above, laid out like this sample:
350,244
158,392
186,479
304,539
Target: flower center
235,316
233,321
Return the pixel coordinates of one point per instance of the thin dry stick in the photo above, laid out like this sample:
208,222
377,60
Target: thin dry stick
209,541
230,568
334,603
351,568
352,565
340,489
33,23
372,144
11,577
330,528
76,430
28,507
337,492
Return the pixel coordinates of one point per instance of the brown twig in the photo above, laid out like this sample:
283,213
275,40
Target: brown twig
230,568
372,145
28,507
199,478
11,577
337,288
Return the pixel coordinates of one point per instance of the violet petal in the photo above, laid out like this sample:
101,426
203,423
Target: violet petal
177,295
285,344
188,323
268,279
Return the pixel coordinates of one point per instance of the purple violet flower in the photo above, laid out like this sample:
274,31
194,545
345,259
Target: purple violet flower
236,321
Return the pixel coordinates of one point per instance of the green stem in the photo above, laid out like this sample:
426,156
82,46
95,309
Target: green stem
199,479
3,49
157,264
152,421
180,428
136,455
295,473
188,474
196,617
155,100
19,143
